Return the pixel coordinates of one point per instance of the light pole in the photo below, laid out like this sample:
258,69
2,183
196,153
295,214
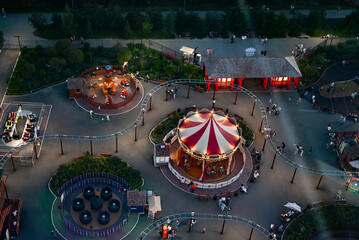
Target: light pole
18,41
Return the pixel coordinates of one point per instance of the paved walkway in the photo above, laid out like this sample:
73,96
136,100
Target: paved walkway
339,74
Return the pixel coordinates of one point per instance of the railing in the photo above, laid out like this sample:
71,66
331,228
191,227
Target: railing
91,178
164,49
181,216
145,101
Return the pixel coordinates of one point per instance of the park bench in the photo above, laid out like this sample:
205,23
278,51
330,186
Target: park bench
218,108
203,196
199,89
237,116
105,154
317,203
171,113
340,201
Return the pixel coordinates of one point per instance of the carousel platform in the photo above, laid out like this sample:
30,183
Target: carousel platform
244,172
131,105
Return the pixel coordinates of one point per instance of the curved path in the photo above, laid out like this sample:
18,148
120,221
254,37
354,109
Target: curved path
144,106
217,217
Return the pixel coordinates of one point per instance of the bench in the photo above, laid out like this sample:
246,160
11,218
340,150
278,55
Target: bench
199,89
171,113
203,196
77,158
186,34
170,55
218,108
317,203
237,116
340,201
105,154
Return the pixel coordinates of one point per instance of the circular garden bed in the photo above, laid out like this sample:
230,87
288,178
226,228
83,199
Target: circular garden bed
315,222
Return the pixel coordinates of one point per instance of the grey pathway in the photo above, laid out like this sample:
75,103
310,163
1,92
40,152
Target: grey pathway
7,62
263,204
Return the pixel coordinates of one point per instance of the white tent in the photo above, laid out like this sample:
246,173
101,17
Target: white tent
187,50
355,163
154,205
293,206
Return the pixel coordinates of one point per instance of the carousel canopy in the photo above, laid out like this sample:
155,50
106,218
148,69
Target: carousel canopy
208,133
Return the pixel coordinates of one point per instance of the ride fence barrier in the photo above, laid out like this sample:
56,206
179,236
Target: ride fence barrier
92,178
181,216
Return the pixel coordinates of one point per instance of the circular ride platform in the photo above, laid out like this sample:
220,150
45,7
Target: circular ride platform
106,90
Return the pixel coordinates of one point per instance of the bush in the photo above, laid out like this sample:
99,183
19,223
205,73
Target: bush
88,164
334,216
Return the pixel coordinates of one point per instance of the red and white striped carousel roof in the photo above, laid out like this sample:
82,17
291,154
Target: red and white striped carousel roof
209,133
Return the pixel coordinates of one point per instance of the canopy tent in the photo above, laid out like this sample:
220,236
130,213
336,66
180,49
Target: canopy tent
154,204
187,50
354,164
293,206
209,133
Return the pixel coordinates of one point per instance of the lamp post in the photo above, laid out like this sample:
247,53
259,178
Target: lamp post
18,41
143,118
150,102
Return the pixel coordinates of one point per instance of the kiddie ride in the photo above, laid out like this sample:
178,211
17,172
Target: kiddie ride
14,121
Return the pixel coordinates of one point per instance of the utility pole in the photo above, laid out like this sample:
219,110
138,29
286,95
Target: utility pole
18,41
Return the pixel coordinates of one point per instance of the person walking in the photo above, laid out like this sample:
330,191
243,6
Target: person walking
299,100
283,146
91,112
310,150
313,99
329,128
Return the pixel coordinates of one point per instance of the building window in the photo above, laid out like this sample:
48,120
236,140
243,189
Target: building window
78,90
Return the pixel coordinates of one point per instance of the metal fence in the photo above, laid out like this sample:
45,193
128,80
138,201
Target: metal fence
167,51
181,216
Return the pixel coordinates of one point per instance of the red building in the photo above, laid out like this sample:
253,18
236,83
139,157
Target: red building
278,71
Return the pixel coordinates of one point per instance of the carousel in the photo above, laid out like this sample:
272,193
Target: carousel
107,87
208,147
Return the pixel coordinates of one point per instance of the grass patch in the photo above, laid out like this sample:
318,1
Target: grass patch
89,164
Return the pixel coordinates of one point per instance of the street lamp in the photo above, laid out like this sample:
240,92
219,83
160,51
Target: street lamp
18,40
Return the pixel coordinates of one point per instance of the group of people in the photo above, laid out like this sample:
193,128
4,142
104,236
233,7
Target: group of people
223,203
275,109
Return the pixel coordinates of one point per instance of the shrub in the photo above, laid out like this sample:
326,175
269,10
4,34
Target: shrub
112,165
158,129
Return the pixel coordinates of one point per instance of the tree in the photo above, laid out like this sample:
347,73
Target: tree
124,54
56,20
57,63
63,45
26,69
170,23
127,32
224,30
38,21
281,26
74,55
88,28
147,27
69,24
